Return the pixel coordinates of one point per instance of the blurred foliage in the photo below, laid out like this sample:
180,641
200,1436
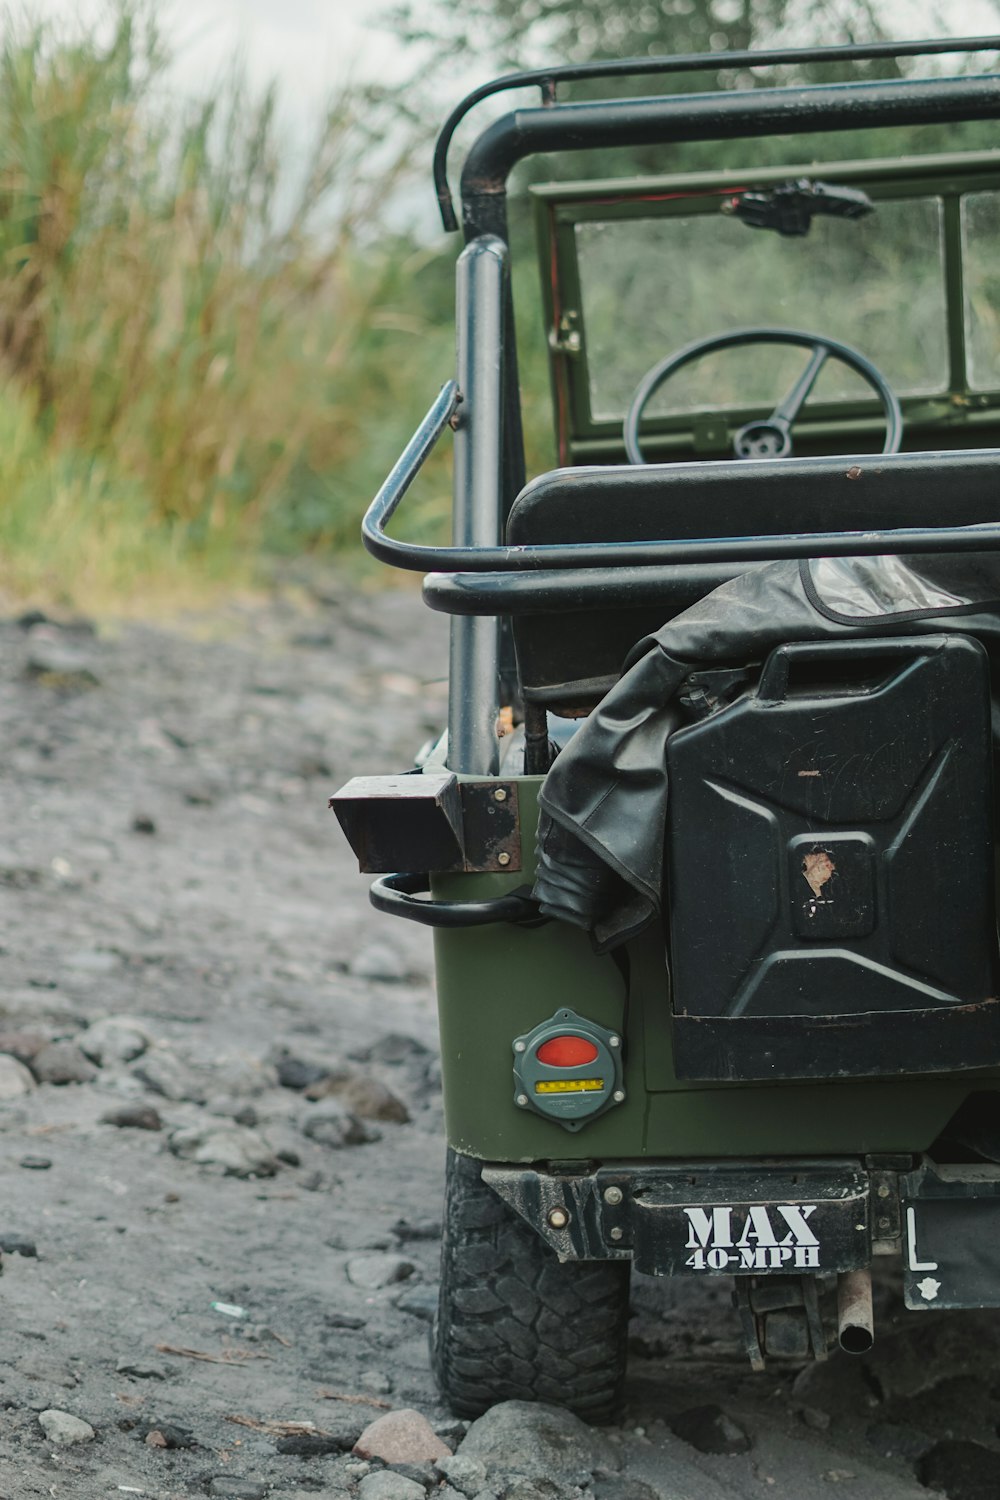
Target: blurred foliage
199,332
213,345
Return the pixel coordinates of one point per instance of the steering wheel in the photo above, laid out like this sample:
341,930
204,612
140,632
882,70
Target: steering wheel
768,437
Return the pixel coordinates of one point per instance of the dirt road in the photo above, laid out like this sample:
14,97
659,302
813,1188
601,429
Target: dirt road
220,1133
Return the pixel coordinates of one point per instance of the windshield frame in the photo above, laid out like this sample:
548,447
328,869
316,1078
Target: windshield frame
582,437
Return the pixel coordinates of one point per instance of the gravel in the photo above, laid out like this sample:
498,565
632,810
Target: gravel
171,878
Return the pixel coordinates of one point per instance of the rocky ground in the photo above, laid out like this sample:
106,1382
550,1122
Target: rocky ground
220,1132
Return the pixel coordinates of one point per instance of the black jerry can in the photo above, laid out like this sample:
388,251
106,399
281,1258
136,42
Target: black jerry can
830,873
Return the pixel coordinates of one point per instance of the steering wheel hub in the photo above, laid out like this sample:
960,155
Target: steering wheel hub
762,440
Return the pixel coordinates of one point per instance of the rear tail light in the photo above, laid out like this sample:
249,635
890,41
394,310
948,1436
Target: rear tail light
567,1052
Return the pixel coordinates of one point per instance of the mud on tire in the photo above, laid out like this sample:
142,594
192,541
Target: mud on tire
513,1324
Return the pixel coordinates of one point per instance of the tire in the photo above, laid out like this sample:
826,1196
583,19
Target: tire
514,1324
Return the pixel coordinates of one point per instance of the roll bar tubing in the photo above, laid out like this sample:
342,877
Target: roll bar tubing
703,117
563,555
625,122
547,79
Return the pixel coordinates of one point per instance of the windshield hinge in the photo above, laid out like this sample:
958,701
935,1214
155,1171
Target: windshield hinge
565,338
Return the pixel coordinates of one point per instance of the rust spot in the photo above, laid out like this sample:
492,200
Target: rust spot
854,472
818,868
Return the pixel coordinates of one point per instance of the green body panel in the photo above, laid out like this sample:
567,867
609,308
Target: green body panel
497,982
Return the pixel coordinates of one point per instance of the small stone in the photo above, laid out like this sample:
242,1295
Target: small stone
228,1487
167,1076
538,1441
310,1445
343,1422
24,1045
423,1474
815,1418
15,1079
166,1435
394,1049
467,1475
61,1063
333,1125
401,1437
375,1271
366,1097
711,1430
380,962
376,1381
452,1430
16,1244
142,1369
344,1320
421,1229
133,1117
36,1163
240,1153
295,1073
385,1485
57,666
114,1039
32,617
63,1429
244,1077
143,823
420,1302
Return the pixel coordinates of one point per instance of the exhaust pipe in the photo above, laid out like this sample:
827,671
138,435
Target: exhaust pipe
855,1318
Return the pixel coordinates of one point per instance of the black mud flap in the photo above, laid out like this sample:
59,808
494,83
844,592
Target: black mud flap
951,1237
703,1219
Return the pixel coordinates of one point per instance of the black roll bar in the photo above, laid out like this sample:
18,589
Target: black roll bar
704,117
503,561
548,79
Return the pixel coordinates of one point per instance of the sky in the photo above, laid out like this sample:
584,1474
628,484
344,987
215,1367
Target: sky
309,46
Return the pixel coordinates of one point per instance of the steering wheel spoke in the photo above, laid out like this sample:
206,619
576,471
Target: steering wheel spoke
768,437
799,394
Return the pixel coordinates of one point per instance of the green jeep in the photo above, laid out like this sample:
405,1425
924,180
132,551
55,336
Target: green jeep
708,845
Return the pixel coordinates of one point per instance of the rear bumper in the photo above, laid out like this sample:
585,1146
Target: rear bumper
776,1218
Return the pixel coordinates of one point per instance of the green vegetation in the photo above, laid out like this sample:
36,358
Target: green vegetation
211,349
199,357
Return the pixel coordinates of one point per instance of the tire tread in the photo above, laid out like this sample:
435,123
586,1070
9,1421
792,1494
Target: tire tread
515,1324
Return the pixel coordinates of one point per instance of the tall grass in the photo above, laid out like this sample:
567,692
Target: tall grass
205,343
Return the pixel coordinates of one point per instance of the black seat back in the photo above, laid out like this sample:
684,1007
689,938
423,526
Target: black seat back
568,658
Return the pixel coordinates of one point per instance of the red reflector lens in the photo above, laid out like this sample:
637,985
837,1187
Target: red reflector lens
566,1052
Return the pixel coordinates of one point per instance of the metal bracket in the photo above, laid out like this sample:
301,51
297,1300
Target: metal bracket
431,822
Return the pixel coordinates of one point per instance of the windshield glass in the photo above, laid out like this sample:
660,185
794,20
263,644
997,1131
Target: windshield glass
980,229
651,285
